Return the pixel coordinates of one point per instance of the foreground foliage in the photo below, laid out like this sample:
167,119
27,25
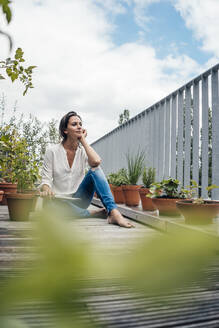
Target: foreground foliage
66,264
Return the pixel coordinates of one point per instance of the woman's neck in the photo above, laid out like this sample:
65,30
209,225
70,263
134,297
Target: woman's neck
70,144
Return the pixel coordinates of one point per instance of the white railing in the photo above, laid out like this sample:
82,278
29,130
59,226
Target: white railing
179,134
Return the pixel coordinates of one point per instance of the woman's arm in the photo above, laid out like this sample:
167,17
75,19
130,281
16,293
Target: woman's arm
45,187
93,158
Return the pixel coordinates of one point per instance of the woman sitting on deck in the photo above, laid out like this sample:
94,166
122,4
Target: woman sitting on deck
64,173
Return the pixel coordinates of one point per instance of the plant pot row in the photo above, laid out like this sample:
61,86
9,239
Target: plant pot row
131,196
195,214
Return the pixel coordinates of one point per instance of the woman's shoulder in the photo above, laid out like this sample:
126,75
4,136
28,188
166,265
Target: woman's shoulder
81,150
54,148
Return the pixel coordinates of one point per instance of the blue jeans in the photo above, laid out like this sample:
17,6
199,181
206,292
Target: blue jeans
94,181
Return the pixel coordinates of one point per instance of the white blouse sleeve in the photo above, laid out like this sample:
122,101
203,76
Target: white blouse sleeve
47,172
85,159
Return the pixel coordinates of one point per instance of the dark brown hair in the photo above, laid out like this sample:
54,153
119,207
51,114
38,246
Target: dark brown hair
64,123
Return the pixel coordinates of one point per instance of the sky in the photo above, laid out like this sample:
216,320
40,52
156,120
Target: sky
99,57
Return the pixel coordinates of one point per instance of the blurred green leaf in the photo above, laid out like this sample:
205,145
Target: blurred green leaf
6,9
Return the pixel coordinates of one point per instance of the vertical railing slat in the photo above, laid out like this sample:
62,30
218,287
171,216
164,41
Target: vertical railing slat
147,137
153,135
167,139
196,134
180,138
215,133
205,106
187,137
173,137
109,144
156,144
160,171
150,121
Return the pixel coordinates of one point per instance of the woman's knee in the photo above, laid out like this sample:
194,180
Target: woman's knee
94,168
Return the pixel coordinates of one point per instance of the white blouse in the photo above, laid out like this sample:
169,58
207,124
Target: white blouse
57,173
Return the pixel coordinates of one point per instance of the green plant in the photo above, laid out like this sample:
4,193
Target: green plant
38,134
148,176
13,67
167,188
17,164
192,192
124,117
135,167
15,70
170,187
119,178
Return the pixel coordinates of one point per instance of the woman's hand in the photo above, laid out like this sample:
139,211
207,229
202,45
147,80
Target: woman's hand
83,135
46,192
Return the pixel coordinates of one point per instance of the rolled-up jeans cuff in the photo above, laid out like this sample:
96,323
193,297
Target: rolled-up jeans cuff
109,209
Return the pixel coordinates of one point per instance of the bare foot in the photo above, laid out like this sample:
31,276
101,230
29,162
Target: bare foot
100,213
116,217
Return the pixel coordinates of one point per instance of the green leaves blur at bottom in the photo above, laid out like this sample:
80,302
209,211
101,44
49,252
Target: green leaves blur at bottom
66,263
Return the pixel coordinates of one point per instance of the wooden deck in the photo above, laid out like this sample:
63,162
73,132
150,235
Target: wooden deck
106,303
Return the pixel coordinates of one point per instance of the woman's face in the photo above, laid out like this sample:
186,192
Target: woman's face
74,128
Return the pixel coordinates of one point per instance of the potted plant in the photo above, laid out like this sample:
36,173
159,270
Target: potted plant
164,196
198,210
26,171
8,144
118,180
131,189
110,179
148,177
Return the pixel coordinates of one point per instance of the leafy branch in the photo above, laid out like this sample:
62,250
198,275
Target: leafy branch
13,67
15,70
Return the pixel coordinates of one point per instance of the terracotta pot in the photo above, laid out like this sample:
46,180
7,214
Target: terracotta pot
166,206
111,188
1,195
131,193
198,213
7,187
32,192
118,194
20,205
147,204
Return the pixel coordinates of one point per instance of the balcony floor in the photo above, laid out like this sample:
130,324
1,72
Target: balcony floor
107,303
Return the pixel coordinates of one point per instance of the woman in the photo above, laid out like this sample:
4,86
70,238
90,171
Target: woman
64,173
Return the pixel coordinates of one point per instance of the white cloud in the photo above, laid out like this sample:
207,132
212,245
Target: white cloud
114,6
140,11
80,67
202,18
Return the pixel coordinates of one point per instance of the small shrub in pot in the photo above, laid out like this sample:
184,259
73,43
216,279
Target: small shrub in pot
148,177
198,211
118,179
134,171
24,170
164,195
